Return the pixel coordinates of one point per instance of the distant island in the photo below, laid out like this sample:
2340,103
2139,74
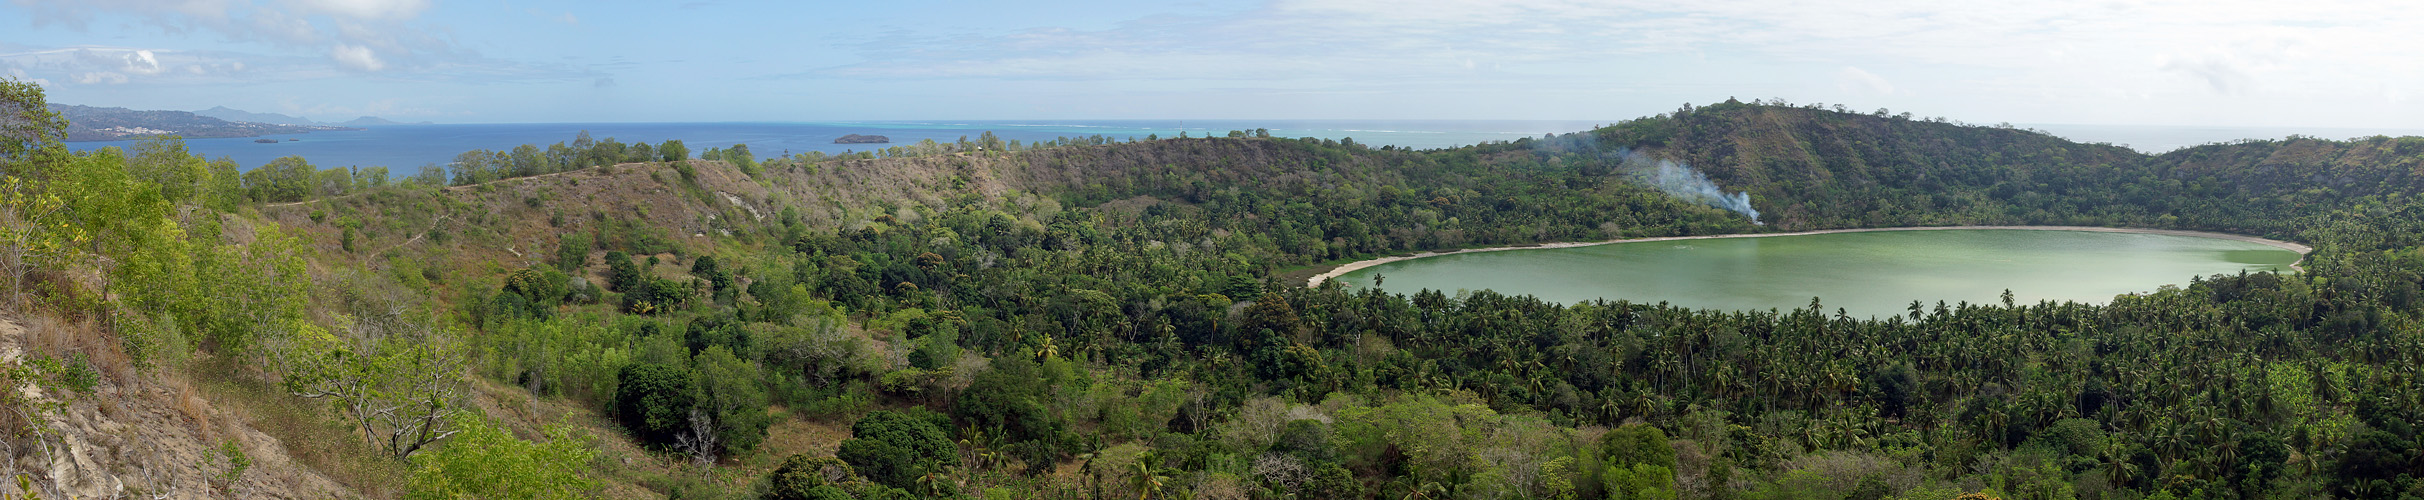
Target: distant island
862,139
87,123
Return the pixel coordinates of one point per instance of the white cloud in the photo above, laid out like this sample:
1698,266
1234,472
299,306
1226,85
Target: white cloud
356,57
366,9
2081,56
2220,73
293,39
101,77
143,62
1854,79
121,65
19,73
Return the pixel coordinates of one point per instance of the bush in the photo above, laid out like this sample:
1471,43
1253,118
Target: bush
621,275
731,390
802,477
1007,398
487,462
572,252
653,401
1638,444
894,448
1309,440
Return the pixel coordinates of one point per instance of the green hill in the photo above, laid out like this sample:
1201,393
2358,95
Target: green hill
87,123
1093,319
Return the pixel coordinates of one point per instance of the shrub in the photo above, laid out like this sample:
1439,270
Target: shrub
894,449
572,252
1007,398
487,462
802,477
653,401
731,390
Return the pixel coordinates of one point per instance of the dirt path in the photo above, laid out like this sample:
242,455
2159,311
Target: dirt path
1343,269
455,188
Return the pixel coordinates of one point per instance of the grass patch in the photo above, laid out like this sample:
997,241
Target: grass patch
311,436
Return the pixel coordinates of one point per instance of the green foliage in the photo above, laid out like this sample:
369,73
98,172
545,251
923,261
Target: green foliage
2248,386
741,158
731,391
1641,481
1637,444
229,461
74,373
1008,401
705,268
1309,440
634,237
572,252
486,462
284,180
895,449
802,477
400,391
673,150
621,274
163,161
653,401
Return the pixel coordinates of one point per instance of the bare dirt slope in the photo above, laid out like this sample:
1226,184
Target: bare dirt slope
143,439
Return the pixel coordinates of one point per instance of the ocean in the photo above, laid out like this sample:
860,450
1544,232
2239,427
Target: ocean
403,148
2152,139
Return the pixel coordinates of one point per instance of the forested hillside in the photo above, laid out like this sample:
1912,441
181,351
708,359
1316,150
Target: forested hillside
1100,319
111,124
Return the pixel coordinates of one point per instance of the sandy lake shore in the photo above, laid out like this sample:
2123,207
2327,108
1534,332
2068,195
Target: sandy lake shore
1343,269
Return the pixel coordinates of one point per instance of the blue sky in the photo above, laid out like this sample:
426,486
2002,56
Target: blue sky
2321,63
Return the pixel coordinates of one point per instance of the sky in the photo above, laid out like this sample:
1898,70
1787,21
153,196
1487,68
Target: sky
2316,63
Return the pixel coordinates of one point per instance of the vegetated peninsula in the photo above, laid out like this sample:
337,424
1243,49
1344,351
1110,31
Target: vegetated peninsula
1089,318
862,139
87,123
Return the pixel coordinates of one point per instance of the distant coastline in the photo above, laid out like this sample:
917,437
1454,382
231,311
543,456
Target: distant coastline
1343,269
403,148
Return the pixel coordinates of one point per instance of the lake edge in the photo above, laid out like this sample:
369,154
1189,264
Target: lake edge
2302,249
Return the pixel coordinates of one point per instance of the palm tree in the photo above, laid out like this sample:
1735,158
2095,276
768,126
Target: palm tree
1147,477
2117,466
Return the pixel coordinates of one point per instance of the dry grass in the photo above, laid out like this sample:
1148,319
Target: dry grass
48,335
309,435
51,335
189,403
111,408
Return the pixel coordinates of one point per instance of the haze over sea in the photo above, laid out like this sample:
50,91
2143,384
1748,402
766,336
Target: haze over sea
404,147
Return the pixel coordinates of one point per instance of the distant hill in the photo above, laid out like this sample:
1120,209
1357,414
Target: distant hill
87,123
373,121
238,115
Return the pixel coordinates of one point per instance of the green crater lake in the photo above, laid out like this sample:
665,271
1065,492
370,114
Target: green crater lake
1866,273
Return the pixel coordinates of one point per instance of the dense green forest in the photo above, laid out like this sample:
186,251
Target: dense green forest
1105,319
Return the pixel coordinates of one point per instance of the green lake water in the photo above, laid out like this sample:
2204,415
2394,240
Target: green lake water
1866,273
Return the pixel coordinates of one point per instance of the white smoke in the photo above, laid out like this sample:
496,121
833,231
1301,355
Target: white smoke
1681,181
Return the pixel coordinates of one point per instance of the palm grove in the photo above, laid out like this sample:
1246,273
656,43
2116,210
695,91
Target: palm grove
1093,318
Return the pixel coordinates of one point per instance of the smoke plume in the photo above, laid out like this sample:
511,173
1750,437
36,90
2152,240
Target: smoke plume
1681,181
1674,178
